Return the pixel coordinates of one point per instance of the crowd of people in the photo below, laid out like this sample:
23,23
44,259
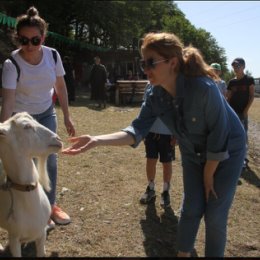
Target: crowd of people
185,102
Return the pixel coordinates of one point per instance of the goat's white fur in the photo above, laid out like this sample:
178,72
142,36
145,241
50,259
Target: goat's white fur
25,214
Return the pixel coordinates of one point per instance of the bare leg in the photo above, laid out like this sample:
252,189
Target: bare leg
151,169
167,172
150,173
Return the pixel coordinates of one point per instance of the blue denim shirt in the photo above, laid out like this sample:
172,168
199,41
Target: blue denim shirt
199,117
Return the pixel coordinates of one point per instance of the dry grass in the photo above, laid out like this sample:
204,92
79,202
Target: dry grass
101,189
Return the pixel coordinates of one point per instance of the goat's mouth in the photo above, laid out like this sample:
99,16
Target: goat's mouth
57,146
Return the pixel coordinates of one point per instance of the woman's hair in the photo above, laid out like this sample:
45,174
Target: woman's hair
168,45
31,19
195,64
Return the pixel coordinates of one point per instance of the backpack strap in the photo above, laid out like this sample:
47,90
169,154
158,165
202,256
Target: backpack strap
54,55
17,67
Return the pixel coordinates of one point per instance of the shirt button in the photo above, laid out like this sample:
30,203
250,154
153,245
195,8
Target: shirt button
193,119
198,154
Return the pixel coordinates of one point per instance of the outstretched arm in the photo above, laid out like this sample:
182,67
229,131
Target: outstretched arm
83,143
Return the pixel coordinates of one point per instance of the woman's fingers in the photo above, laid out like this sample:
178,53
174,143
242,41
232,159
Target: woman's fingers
210,191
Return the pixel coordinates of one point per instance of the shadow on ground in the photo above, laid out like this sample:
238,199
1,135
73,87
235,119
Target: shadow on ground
28,251
159,232
250,176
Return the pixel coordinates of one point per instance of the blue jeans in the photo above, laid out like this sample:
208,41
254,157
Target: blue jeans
215,212
49,120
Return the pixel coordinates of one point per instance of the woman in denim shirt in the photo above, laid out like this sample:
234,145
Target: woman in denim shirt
210,136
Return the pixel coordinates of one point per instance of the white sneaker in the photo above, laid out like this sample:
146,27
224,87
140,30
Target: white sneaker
148,196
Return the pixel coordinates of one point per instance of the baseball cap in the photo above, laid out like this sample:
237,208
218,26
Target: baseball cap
239,61
215,66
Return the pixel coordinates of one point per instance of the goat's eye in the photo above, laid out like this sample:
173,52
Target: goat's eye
28,126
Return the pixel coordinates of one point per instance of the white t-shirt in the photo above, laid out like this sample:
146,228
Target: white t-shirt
34,89
159,127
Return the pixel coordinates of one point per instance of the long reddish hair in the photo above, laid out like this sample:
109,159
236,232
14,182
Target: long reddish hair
168,45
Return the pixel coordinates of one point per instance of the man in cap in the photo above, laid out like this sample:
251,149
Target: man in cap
240,94
220,82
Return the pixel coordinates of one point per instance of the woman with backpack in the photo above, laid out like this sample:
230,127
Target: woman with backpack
29,79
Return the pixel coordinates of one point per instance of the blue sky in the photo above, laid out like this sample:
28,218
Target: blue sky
234,25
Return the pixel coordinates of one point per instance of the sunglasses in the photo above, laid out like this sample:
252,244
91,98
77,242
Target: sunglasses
150,63
236,66
35,41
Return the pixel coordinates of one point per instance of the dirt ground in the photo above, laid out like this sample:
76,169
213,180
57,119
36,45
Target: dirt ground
100,190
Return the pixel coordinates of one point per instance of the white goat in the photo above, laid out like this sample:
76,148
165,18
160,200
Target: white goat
24,206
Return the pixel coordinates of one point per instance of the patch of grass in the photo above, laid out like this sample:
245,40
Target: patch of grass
104,186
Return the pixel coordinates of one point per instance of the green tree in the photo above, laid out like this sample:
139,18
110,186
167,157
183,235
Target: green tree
198,38
114,24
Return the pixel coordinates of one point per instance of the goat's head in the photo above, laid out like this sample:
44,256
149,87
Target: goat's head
22,134
22,137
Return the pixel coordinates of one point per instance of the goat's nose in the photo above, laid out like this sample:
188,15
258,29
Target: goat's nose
58,138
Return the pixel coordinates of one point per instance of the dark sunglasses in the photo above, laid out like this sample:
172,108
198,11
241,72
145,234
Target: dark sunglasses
35,41
236,66
150,63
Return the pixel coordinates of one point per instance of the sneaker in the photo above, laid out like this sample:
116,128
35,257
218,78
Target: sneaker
245,165
147,196
165,199
50,226
59,216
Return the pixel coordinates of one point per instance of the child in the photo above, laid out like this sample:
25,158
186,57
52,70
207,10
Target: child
158,142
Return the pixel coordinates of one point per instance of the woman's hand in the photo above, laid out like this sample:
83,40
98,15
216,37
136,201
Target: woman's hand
69,127
85,142
80,144
209,186
208,177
